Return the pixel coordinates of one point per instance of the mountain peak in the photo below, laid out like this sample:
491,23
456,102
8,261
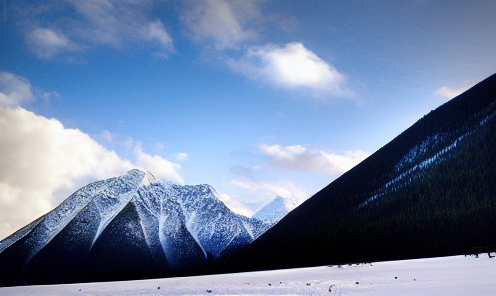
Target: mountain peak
277,209
131,223
148,179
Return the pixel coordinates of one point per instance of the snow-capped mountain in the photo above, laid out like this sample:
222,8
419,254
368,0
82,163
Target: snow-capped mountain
277,209
126,225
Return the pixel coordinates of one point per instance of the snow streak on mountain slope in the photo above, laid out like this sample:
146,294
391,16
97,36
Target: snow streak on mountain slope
208,220
129,224
416,160
277,209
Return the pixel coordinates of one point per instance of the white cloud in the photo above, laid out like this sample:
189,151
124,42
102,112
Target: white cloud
156,31
98,22
42,163
225,22
119,22
14,90
284,189
452,91
253,187
158,166
181,156
292,66
49,38
46,42
257,185
104,21
299,158
235,205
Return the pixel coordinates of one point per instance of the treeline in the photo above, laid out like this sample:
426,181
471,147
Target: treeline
444,208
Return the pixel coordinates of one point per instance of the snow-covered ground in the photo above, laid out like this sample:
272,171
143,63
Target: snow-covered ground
457,275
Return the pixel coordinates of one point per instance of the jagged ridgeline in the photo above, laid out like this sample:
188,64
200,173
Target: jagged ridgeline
429,192
129,227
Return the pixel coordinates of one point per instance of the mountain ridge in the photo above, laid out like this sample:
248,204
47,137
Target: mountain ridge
122,227
429,192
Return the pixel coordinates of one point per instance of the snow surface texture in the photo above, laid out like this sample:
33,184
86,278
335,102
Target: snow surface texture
173,227
277,209
456,275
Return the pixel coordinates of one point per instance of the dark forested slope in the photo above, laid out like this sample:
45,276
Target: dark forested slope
429,192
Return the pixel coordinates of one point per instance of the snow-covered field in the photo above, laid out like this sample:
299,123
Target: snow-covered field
457,275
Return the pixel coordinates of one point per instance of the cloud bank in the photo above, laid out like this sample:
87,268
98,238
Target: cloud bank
42,163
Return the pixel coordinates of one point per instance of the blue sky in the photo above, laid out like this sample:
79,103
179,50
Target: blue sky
256,98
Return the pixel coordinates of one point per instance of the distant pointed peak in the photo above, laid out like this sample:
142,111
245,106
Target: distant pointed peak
290,202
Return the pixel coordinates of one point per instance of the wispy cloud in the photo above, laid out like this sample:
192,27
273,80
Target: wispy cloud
115,139
46,42
300,158
260,189
48,95
284,189
292,66
97,22
226,23
258,185
450,92
235,205
156,31
181,156
14,90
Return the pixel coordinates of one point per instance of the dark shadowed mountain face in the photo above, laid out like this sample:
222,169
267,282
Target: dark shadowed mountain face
126,227
429,192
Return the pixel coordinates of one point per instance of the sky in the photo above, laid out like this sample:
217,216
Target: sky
256,98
